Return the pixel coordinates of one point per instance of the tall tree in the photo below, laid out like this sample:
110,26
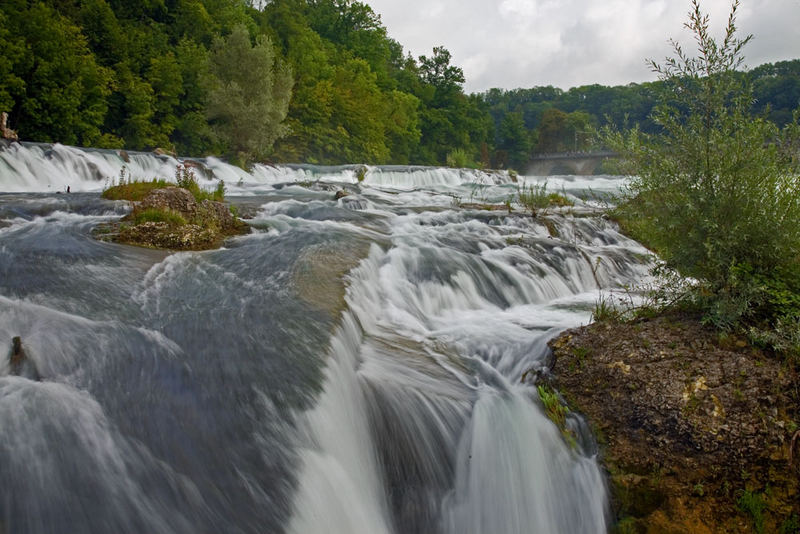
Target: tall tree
249,96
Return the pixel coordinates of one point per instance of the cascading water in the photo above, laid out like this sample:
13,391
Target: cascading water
352,365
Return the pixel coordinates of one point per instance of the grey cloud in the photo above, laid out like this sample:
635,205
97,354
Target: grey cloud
522,43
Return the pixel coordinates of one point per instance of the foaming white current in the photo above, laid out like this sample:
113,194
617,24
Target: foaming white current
419,420
44,168
452,313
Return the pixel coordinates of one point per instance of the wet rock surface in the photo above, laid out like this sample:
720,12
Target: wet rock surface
690,424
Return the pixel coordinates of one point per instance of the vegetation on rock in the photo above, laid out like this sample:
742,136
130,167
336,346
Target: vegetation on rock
133,189
182,217
536,199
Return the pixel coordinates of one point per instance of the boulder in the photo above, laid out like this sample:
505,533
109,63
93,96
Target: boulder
219,214
171,198
19,363
207,223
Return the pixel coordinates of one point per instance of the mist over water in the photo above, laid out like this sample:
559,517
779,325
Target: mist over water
352,365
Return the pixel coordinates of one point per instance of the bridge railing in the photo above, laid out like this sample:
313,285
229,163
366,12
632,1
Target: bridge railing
575,155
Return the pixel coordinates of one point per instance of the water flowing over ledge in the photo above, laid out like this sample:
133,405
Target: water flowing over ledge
33,167
256,388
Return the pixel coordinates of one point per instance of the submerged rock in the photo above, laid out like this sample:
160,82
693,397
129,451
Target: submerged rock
694,429
19,363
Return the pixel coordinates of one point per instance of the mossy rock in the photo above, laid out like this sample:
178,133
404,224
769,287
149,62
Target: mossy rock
171,218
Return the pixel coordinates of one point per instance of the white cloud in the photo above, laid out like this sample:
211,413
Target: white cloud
523,43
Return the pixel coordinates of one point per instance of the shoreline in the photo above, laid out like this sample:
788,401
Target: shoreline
695,429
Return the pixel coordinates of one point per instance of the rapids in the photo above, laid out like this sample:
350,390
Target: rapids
352,365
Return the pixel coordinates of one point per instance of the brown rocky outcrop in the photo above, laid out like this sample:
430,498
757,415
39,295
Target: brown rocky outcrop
695,429
171,218
5,131
170,198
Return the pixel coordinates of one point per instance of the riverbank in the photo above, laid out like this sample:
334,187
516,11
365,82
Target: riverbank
695,429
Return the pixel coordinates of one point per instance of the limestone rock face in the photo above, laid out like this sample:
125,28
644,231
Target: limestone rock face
220,213
171,198
164,235
688,421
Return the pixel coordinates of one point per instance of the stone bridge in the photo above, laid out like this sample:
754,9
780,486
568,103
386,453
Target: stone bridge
581,163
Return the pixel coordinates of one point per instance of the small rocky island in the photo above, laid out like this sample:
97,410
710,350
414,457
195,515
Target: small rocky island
698,431
179,216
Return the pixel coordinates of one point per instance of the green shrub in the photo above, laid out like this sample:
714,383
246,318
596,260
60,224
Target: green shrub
717,193
460,159
606,310
535,198
790,526
559,199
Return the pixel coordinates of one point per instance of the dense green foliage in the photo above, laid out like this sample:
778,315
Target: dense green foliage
294,80
554,120
717,191
316,81
249,95
186,179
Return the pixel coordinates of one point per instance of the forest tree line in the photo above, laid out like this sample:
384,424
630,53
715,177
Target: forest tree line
316,81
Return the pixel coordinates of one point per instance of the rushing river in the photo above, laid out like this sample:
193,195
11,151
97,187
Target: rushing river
351,366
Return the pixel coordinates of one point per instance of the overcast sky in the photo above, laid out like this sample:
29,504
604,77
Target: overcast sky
567,43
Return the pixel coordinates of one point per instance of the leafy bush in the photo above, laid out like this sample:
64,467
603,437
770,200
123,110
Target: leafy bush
717,193
533,197
460,159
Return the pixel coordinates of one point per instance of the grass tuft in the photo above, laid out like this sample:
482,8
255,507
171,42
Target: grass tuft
158,215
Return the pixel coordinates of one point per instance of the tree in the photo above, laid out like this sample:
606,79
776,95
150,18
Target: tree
514,139
250,92
716,194
57,89
552,131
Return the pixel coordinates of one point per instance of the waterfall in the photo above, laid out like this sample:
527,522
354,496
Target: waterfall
256,388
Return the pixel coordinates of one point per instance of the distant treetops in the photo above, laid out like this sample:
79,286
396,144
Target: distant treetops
317,81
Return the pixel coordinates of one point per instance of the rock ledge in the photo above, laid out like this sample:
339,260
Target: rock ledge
689,424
